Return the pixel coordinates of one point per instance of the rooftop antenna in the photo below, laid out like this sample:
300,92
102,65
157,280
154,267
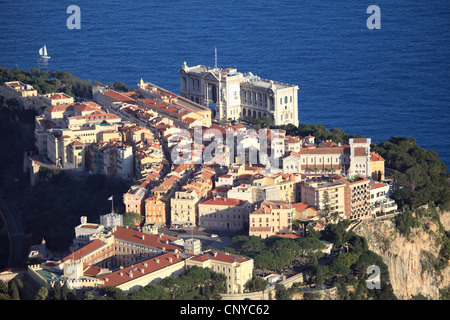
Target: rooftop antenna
215,57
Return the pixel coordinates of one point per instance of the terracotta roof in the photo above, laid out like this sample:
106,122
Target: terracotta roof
288,236
223,202
336,150
329,144
359,140
84,251
132,235
60,107
376,157
360,152
217,256
119,96
301,206
256,229
378,185
141,269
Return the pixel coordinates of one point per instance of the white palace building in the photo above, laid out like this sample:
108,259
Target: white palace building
233,95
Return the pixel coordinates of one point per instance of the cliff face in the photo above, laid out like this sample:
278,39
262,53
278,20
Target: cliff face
410,260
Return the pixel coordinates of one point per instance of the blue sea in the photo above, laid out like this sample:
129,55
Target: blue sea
394,81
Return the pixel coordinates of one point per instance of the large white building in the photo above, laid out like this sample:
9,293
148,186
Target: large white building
349,160
235,95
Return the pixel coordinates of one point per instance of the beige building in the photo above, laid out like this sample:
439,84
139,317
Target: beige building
265,187
223,214
20,90
377,166
54,99
234,95
269,218
238,270
184,209
350,159
62,145
143,273
313,192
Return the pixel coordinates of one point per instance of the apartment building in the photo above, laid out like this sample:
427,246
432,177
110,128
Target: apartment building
269,218
184,209
155,211
313,194
265,187
380,200
350,159
357,197
134,200
223,214
111,158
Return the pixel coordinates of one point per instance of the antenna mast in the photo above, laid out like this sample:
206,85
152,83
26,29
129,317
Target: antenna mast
215,57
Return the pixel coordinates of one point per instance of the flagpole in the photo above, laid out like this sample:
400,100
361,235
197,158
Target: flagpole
112,203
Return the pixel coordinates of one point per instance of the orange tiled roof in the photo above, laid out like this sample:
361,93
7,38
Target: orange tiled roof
84,251
141,269
132,235
376,157
219,257
223,202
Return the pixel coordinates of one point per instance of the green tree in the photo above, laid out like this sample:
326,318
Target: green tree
326,209
89,296
256,284
132,219
150,292
281,293
113,293
57,291
42,293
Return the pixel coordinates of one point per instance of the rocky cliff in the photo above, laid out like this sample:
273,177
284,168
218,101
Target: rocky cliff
411,260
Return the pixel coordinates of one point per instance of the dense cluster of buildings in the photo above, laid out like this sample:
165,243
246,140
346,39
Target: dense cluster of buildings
259,182
108,254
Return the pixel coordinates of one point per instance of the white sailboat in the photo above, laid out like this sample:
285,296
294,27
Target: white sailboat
43,53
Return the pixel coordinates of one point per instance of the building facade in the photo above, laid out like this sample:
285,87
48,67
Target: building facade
238,270
223,214
234,95
269,218
134,200
184,208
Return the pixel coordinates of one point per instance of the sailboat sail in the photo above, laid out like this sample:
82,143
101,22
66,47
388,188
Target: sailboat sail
43,51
